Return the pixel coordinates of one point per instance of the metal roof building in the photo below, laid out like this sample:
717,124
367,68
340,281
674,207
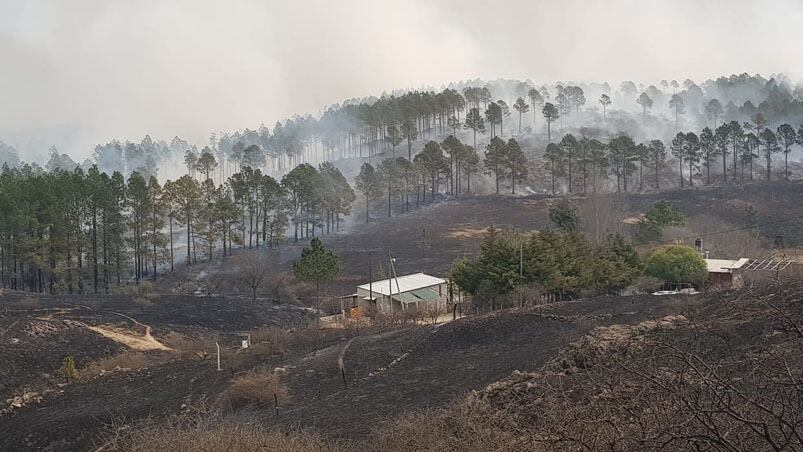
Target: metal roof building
400,293
725,265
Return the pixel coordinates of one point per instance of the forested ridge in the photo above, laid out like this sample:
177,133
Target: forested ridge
90,227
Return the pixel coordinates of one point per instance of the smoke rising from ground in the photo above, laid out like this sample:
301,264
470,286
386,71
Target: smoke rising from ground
88,71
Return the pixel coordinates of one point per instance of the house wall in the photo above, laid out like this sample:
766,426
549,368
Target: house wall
720,280
383,301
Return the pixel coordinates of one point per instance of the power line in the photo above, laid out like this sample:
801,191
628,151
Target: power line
744,228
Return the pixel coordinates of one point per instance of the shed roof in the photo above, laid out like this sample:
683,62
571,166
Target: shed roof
724,265
406,283
414,296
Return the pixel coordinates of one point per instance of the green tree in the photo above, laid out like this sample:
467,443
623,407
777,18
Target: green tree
659,216
787,138
409,132
678,150
495,158
206,162
393,136
622,155
494,115
656,159
565,217
522,107
570,148
471,160
605,101
677,264
504,112
187,196
191,161
536,100
554,155
254,157
721,142
646,103
708,150
516,163
433,163
691,149
677,107
370,184
713,109
770,141
390,172
317,265
475,122
550,113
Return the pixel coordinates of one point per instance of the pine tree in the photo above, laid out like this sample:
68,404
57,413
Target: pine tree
495,159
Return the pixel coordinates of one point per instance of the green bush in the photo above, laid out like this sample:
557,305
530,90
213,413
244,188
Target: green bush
677,263
68,370
651,227
555,263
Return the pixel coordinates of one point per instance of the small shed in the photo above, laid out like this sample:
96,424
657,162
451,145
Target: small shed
723,273
415,291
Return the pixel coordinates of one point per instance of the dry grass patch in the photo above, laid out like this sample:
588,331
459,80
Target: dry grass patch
129,360
210,432
468,425
466,233
256,388
197,344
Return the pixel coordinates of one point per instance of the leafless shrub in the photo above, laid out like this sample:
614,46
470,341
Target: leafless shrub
528,295
648,284
208,430
271,336
143,288
602,214
254,270
468,425
256,388
199,344
30,303
143,301
128,360
284,287
434,312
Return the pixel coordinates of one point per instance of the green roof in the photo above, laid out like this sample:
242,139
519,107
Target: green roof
414,296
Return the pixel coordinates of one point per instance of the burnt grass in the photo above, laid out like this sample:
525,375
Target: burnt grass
38,331
436,365
433,365
778,206
429,239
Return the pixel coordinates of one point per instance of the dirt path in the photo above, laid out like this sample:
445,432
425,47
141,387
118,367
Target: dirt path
340,358
146,342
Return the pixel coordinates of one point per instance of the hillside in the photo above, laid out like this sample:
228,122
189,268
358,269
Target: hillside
431,238
717,371
121,342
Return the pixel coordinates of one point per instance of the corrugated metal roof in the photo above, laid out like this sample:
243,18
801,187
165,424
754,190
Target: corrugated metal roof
414,296
724,265
406,283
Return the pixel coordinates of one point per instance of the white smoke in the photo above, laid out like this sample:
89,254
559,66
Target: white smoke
83,72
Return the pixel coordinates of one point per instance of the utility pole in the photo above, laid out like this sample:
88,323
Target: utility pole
390,283
390,280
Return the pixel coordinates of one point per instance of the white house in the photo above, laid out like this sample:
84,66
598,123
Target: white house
402,293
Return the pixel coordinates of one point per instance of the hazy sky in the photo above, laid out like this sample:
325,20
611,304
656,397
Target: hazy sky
79,72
